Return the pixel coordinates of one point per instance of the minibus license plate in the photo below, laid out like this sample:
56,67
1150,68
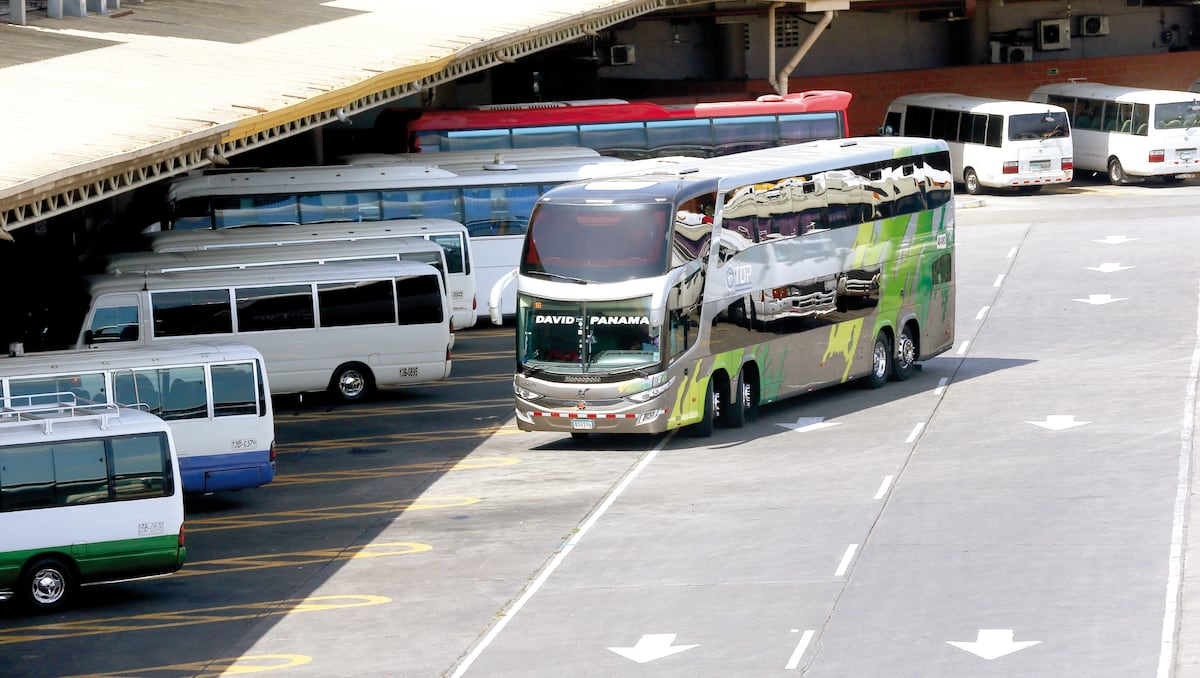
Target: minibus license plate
586,424
1039,164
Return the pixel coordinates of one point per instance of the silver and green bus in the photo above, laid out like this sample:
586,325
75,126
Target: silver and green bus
689,297
88,494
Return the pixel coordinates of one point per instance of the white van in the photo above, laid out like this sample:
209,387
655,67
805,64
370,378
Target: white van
1130,133
994,143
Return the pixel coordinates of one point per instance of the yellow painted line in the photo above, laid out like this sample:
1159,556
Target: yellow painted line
213,668
393,438
390,410
326,513
470,464
491,355
296,558
206,615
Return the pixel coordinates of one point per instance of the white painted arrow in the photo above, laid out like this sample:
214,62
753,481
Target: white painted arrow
1058,422
1116,240
1100,299
993,643
1109,267
652,646
806,424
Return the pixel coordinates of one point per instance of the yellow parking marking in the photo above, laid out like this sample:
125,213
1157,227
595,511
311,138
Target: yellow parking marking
394,438
393,410
392,471
214,668
206,615
325,513
295,558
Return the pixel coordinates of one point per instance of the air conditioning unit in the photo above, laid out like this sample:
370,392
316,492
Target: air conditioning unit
1091,26
1053,34
621,55
1017,54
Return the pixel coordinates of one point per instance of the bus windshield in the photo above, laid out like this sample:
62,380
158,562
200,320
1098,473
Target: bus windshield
599,244
575,337
1038,126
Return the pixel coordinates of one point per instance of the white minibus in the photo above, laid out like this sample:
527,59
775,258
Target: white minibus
87,495
346,327
1130,133
215,396
451,236
994,143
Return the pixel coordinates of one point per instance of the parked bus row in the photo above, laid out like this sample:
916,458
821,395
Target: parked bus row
1130,134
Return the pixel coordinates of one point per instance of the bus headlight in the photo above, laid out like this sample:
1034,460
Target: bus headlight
651,393
524,393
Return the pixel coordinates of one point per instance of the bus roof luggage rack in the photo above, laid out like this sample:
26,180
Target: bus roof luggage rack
66,408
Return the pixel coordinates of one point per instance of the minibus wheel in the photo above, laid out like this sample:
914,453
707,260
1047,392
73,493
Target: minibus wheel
47,584
1116,173
970,181
351,382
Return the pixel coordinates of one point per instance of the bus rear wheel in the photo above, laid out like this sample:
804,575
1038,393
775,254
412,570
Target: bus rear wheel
1116,172
733,414
351,382
906,355
47,585
971,181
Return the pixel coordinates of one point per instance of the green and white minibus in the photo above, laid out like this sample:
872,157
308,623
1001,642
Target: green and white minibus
87,495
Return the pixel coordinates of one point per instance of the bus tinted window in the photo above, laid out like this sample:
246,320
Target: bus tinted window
230,212
361,303
624,139
596,244
553,135
339,206
185,393
420,300
80,472
233,389
179,314
27,477
141,467
280,307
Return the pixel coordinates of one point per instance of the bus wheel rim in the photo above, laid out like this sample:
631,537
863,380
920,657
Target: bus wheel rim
351,384
48,586
879,359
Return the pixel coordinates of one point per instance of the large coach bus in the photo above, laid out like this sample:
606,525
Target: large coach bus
638,129
1128,132
343,327
655,301
87,495
994,143
215,397
492,199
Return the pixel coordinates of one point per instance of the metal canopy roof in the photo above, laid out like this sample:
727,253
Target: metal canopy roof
102,104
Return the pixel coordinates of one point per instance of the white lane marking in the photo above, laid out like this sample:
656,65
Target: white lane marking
999,279
915,433
962,348
884,487
557,560
1012,253
1166,657
846,559
941,387
982,312
794,660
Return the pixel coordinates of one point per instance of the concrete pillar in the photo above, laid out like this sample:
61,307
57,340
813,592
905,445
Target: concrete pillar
97,6
16,12
57,9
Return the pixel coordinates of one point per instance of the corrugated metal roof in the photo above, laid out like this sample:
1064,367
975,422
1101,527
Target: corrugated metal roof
101,104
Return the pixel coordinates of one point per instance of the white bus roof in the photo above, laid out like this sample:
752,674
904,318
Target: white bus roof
304,273
479,169
962,102
278,253
80,360
1097,90
170,241
763,165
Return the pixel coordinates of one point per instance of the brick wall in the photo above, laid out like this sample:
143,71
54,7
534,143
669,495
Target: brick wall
874,91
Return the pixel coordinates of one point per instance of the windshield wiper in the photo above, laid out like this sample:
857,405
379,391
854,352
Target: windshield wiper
558,276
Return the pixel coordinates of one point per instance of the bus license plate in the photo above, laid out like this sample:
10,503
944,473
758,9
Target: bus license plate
586,424
1039,165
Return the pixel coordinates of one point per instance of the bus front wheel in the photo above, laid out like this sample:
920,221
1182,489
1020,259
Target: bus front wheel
971,181
881,361
47,585
1116,172
351,382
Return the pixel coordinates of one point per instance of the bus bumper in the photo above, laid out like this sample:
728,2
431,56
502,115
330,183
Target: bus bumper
531,418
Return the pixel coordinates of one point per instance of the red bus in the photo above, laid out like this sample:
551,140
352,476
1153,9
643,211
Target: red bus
638,129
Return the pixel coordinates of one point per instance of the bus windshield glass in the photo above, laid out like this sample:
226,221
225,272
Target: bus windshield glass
1038,126
576,337
600,244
